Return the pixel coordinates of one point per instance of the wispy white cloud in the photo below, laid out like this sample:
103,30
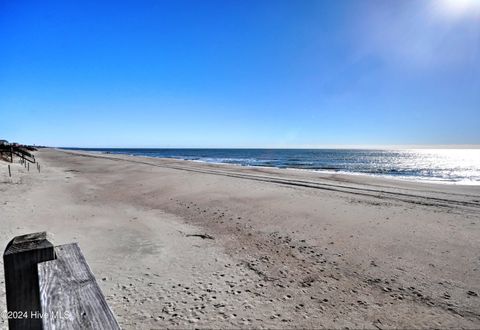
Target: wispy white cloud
419,34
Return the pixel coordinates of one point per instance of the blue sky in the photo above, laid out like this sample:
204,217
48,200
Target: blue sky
240,73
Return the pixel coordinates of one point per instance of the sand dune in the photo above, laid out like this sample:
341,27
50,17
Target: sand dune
183,244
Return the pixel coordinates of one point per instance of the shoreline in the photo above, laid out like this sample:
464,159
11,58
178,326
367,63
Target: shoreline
419,179
377,182
290,249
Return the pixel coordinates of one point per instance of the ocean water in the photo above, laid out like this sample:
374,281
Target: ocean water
460,166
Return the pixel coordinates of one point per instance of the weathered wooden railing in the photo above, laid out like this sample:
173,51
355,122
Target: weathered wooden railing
20,151
50,287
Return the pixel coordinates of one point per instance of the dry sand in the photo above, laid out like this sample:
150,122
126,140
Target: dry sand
289,249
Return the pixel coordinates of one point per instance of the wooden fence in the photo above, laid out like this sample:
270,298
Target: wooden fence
50,287
21,151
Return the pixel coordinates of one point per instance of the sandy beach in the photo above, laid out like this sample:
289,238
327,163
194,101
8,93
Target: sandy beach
183,244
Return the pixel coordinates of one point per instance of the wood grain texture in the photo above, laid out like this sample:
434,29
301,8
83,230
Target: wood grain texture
69,294
20,260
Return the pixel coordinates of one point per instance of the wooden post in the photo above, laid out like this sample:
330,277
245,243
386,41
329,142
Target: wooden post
11,154
28,166
20,260
69,290
9,171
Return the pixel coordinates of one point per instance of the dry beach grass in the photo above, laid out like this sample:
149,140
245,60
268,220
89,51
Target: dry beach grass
181,244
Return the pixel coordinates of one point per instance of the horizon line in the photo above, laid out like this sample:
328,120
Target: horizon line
403,146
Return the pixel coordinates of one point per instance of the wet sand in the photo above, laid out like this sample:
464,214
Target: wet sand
182,244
